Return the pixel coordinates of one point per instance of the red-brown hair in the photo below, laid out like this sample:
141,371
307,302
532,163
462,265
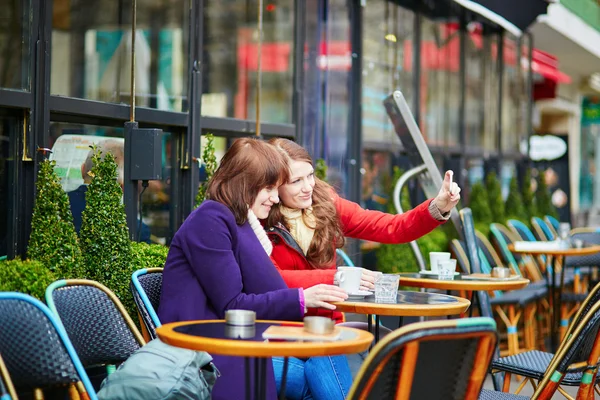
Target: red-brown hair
328,230
249,166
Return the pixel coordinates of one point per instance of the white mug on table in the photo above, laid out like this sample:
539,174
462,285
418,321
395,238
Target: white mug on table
435,257
348,278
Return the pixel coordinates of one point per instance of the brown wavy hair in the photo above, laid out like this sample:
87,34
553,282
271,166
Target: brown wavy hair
249,166
328,229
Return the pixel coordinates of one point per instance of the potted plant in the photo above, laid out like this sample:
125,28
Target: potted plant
480,207
514,202
544,198
528,197
53,240
210,166
494,192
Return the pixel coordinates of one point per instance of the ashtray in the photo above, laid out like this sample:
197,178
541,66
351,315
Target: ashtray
240,317
319,325
500,272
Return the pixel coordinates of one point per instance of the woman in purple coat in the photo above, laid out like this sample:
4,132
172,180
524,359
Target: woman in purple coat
219,260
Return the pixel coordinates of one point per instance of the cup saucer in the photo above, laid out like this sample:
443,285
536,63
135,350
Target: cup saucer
359,295
434,273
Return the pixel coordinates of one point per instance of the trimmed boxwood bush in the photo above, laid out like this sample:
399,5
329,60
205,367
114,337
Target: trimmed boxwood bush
210,164
104,235
321,169
514,202
480,207
494,192
53,240
30,277
528,198
543,198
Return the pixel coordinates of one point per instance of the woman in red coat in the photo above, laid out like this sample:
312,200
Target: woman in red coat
311,221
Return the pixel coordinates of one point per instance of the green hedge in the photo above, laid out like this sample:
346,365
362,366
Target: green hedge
30,277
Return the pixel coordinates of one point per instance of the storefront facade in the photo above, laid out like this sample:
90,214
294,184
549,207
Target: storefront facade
325,68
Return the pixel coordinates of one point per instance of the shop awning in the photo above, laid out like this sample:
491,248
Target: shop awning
513,15
546,65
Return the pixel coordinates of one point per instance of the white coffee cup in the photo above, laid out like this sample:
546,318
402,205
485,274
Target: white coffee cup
348,278
435,257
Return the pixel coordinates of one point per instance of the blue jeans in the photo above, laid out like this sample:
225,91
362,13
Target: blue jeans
317,378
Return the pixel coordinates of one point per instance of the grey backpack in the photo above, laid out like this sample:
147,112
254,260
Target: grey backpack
158,371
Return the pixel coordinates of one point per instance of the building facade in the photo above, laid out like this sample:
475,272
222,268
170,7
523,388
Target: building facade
324,68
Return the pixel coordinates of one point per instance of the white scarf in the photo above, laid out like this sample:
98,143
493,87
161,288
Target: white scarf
301,225
260,233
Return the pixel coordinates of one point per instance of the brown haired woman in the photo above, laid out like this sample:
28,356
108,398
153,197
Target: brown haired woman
311,221
219,260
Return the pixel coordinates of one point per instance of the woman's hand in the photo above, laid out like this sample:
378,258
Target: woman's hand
367,280
449,194
320,296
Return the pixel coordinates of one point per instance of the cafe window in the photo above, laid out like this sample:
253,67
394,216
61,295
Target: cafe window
440,82
15,31
475,55
91,51
388,36
231,60
71,145
514,96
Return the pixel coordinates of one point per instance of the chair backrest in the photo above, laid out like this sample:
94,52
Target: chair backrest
582,347
429,360
146,286
483,242
592,260
541,229
7,389
35,347
502,237
99,327
521,230
345,258
552,222
457,249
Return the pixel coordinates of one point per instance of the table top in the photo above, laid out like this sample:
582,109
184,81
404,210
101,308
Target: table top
487,283
408,304
584,251
216,337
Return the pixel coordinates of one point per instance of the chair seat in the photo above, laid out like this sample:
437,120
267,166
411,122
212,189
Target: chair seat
573,297
532,364
522,297
493,395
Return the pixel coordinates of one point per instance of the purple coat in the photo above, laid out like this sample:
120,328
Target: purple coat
215,265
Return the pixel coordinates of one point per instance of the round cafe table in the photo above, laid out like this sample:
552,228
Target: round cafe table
216,337
408,304
555,255
466,282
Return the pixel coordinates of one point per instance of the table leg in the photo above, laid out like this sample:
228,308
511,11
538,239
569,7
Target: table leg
376,328
400,322
257,378
555,309
369,323
248,378
263,377
283,379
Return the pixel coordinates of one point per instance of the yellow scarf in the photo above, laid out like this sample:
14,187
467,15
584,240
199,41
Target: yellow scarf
301,228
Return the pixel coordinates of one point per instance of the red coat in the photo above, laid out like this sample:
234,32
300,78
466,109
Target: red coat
356,223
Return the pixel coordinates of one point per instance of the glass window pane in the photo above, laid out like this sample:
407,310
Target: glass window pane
514,96
440,82
70,145
91,51
15,30
475,52
9,128
387,65
231,61
491,82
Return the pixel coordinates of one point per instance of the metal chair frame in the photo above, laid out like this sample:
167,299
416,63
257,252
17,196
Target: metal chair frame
7,389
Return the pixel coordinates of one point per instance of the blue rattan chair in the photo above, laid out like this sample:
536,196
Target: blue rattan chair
345,258
36,349
146,286
431,360
99,327
541,229
552,224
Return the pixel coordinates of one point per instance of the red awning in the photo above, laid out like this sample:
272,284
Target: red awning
546,65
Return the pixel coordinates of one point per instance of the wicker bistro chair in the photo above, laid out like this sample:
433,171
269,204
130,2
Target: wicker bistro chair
36,349
552,224
446,359
575,362
7,389
146,286
541,229
97,324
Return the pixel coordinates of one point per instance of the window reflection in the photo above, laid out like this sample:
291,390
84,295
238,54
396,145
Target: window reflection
514,95
8,128
231,61
15,29
440,84
71,145
91,51
475,56
387,65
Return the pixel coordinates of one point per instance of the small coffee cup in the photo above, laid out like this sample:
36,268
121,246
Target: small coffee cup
348,278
